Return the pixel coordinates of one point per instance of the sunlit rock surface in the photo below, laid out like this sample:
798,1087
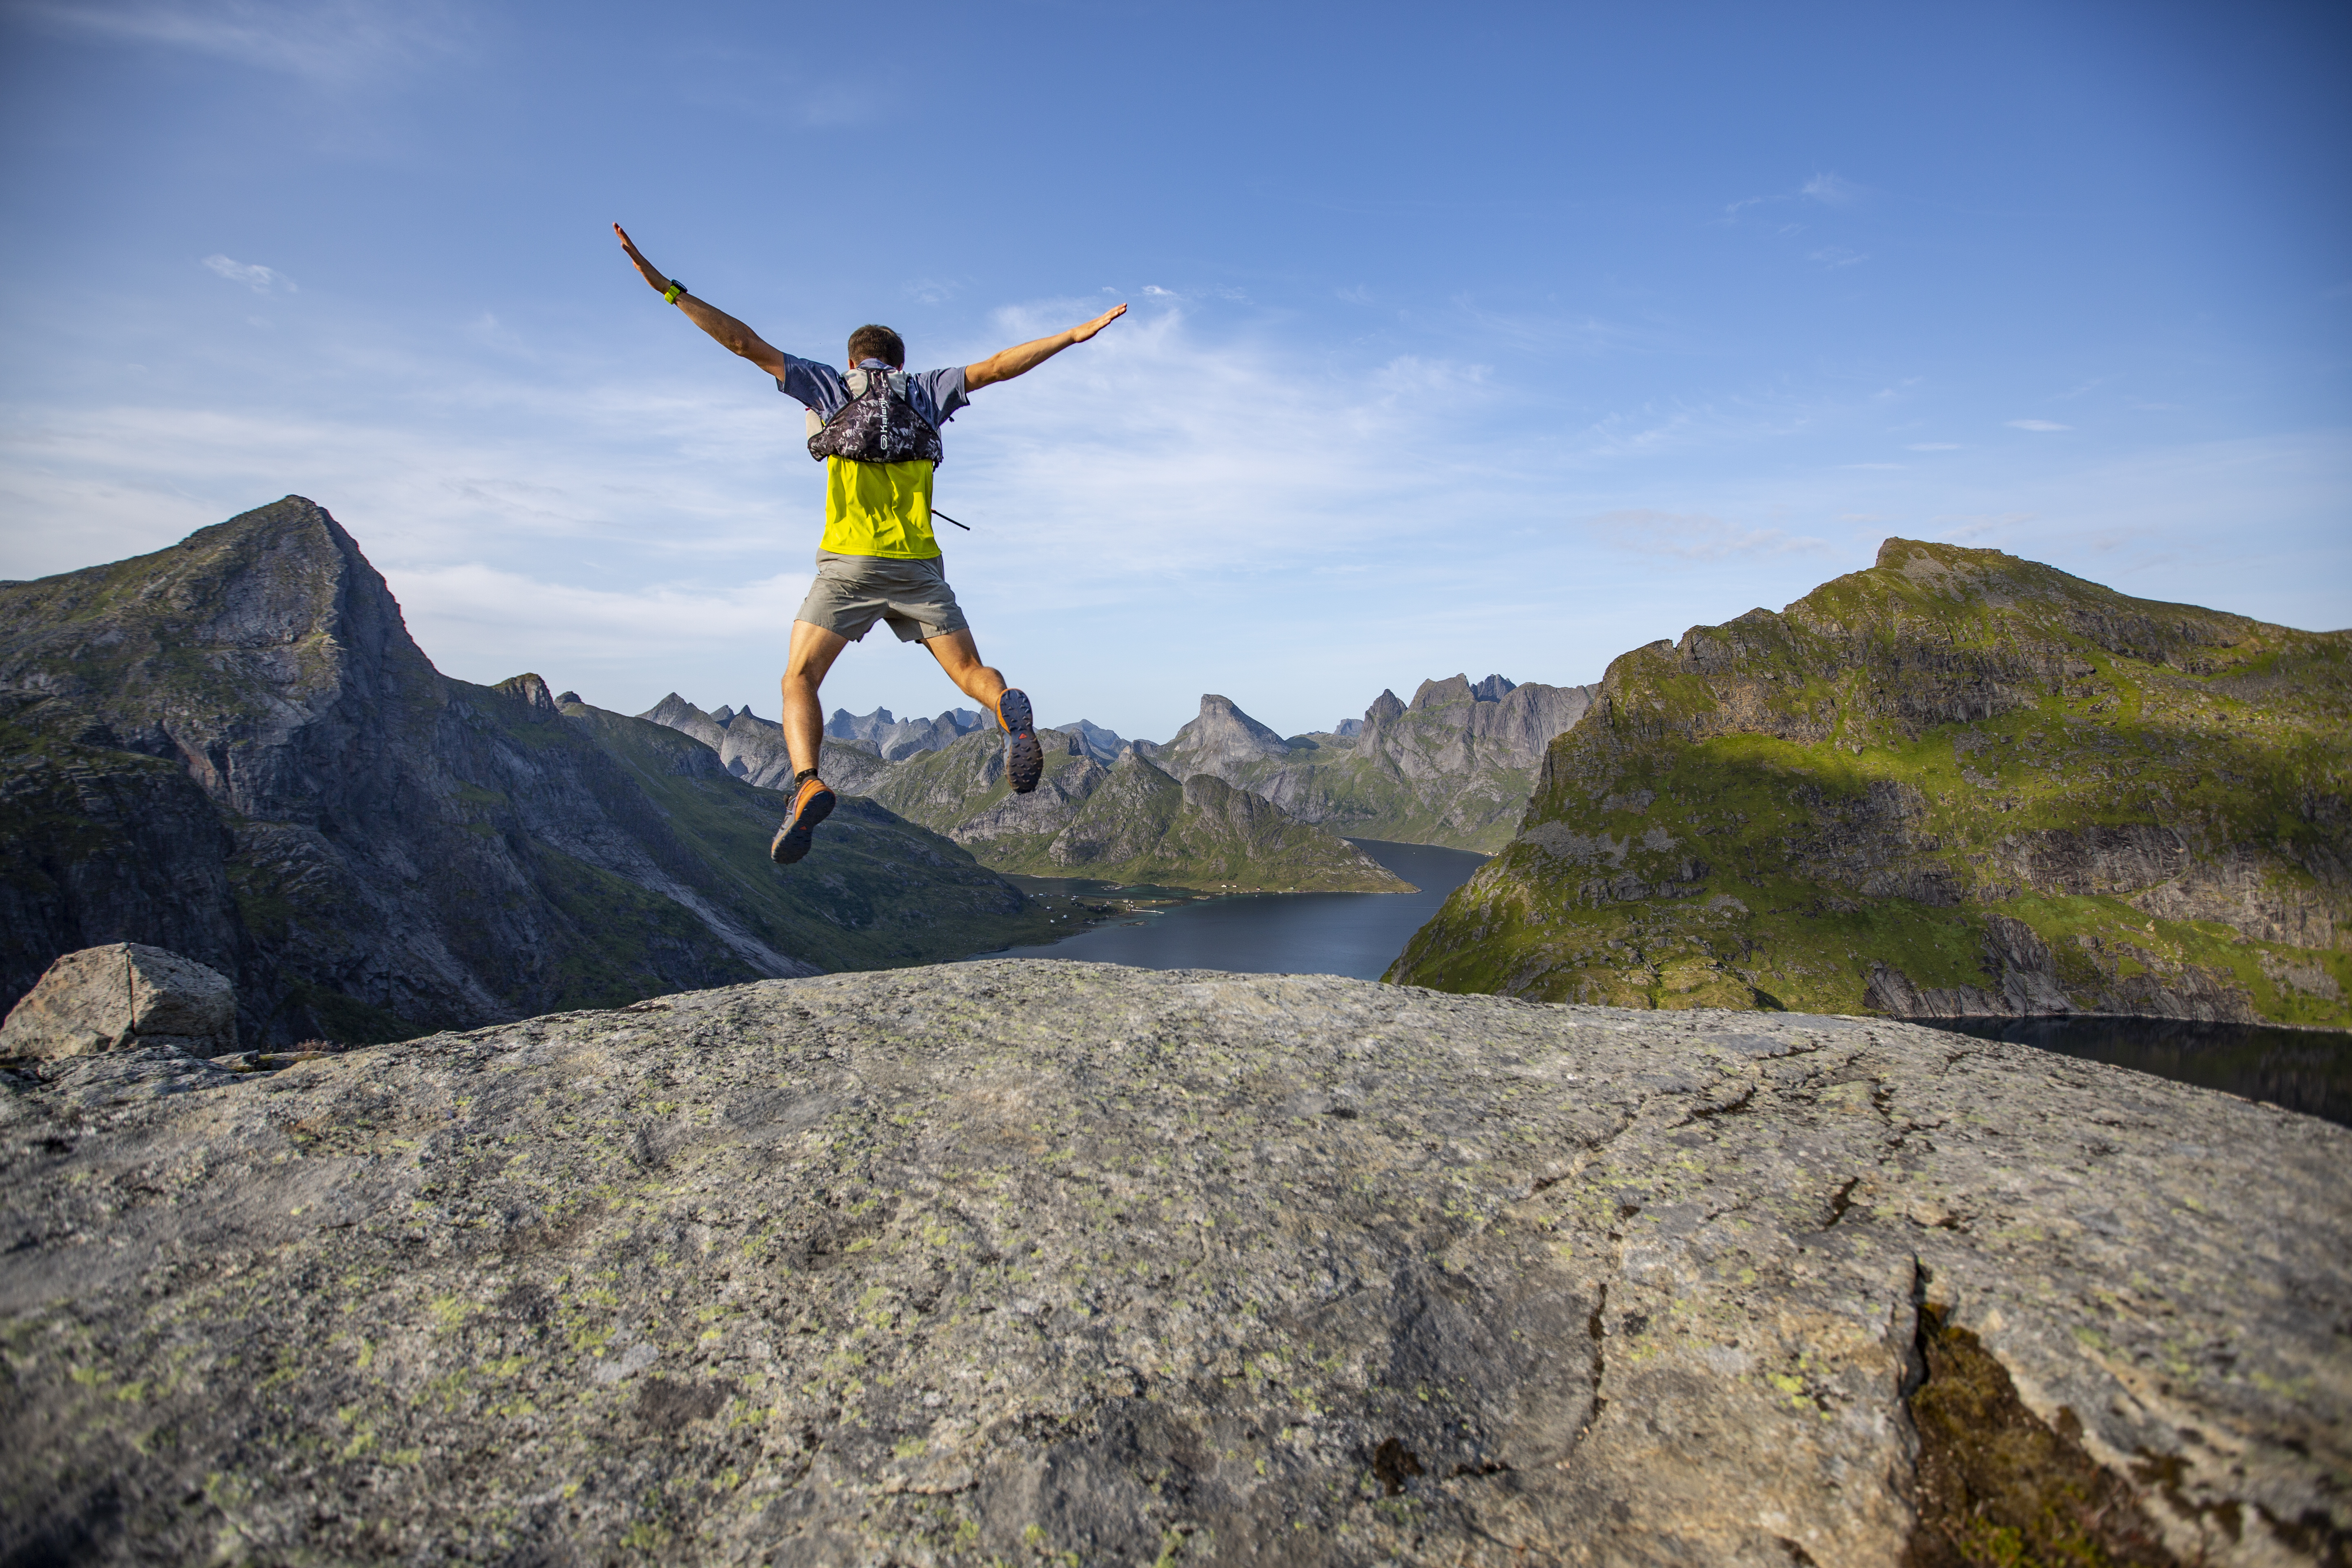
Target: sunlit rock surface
1005,1260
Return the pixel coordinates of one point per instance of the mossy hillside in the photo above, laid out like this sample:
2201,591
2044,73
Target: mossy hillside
1764,812
1130,823
1141,828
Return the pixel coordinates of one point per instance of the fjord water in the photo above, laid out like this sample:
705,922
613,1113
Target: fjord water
2309,1070
1360,934
1355,934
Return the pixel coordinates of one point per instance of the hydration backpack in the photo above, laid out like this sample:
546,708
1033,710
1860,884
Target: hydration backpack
878,425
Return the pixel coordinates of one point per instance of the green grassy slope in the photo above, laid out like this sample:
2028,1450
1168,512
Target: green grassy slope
876,892
1143,827
1959,777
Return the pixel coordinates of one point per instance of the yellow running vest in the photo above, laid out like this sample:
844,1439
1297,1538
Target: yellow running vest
879,509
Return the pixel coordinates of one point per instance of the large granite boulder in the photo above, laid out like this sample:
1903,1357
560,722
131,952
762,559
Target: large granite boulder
120,995
1017,1261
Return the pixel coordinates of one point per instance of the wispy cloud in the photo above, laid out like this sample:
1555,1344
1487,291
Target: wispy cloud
1981,528
469,610
1832,190
1827,189
331,42
1692,536
253,275
2037,425
1836,256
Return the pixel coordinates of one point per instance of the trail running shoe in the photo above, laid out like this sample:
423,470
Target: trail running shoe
1024,759
812,803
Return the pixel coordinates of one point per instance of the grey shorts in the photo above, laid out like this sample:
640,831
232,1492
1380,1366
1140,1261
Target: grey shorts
852,592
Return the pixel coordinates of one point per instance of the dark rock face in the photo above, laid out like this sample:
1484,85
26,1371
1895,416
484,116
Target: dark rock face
1955,783
232,749
1012,1260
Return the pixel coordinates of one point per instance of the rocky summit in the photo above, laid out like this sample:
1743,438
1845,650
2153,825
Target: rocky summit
1957,783
1023,1262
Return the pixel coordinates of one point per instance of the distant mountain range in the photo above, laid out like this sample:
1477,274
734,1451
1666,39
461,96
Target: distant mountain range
895,739
233,749
1455,766
1957,783
752,749
1452,767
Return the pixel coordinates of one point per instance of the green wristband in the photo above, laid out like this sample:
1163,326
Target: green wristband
670,294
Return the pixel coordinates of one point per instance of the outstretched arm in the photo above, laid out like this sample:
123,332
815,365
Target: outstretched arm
1007,363
733,335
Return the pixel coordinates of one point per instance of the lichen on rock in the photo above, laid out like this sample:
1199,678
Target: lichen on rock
1014,1260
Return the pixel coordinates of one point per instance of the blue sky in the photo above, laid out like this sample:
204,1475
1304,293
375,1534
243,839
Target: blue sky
1477,339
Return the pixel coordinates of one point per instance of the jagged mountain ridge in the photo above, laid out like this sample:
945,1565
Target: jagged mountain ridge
752,749
1455,766
233,749
1956,782
895,739
1452,767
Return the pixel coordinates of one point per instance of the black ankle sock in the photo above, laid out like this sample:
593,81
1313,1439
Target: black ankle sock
803,777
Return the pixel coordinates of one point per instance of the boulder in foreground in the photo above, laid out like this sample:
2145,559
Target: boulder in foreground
123,993
1008,1259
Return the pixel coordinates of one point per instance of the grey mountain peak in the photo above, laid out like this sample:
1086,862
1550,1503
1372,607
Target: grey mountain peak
1221,738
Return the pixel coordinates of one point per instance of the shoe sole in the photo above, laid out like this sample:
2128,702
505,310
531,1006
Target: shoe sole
1025,762
792,840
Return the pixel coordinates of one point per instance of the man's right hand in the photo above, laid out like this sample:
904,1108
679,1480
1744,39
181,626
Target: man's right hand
660,284
1022,358
1080,334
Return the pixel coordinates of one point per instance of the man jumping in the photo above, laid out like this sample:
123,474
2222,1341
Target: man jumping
876,430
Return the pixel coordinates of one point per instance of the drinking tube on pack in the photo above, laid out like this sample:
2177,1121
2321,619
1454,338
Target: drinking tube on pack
945,517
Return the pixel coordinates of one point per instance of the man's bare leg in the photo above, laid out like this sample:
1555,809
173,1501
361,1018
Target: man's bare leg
812,651
1025,761
960,657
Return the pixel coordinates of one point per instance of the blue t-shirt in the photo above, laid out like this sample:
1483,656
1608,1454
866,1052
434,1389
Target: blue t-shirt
935,394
